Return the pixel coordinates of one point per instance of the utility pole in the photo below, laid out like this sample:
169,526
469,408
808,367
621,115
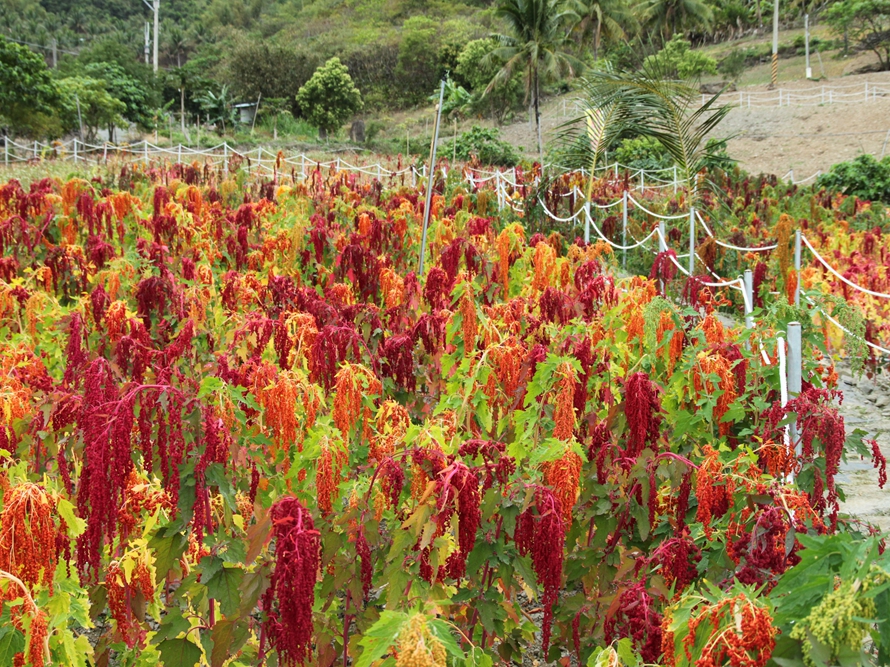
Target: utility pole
806,35
155,7
147,42
55,53
775,64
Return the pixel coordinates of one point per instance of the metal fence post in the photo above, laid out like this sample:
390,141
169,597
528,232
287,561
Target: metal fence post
749,298
624,229
430,181
5,151
587,221
691,240
797,266
795,372
226,158
75,150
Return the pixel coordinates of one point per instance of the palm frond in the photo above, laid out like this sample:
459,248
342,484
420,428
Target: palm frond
647,104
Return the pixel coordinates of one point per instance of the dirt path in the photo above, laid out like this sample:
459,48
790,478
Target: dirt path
866,405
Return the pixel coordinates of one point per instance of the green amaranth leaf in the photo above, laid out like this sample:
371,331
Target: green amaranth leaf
179,653
380,637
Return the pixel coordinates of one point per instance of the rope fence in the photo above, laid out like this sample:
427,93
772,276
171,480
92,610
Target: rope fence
743,284
505,180
808,97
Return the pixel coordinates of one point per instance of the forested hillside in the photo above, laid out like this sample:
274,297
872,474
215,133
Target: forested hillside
215,53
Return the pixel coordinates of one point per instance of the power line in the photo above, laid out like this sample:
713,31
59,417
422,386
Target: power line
38,46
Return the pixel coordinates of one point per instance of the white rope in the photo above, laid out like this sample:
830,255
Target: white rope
616,245
882,350
723,244
652,213
831,269
553,216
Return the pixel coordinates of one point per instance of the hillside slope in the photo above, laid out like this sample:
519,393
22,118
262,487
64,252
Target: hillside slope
777,139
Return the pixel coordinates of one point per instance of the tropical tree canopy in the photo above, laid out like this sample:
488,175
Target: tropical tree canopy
538,33
28,94
330,97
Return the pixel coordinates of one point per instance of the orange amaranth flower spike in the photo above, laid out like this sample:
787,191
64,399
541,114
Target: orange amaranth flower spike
716,364
28,535
564,405
564,476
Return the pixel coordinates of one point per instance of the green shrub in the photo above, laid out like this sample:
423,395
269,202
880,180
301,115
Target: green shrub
733,66
678,60
476,67
864,176
641,153
329,98
485,144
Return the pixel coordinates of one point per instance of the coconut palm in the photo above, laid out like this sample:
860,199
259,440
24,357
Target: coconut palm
600,20
645,104
176,42
538,31
672,16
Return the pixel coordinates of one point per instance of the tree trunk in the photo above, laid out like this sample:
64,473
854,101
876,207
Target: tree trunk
538,115
596,40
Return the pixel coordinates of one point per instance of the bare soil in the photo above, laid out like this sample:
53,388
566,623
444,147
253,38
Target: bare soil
776,139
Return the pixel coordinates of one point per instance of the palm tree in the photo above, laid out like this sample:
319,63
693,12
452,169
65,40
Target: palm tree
671,16
539,28
176,42
602,19
646,104
218,108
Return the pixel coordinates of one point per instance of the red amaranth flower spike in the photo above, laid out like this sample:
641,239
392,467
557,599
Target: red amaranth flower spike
637,619
291,594
642,408
363,549
74,352
107,462
540,531
880,462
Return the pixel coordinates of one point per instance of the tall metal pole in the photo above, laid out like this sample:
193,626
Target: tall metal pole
623,227
749,298
797,266
431,178
147,42
795,373
79,117
806,35
775,65
156,8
